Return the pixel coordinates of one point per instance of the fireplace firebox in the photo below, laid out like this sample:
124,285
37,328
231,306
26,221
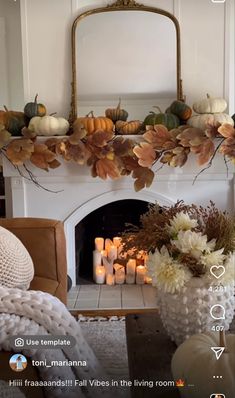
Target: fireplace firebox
107,221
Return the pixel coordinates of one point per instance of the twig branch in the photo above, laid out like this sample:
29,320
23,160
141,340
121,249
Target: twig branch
210,162
31,177
226,164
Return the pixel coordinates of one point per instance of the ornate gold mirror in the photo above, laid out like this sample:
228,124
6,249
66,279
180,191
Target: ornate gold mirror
125,50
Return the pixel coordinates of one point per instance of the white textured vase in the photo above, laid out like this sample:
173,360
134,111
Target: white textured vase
188,312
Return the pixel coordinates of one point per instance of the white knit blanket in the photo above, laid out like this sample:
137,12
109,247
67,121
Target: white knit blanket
38,313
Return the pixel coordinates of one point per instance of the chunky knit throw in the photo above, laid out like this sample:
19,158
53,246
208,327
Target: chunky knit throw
38,313
7,391
16,266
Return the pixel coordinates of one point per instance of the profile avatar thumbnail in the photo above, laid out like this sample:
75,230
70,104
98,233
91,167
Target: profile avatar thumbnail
18,362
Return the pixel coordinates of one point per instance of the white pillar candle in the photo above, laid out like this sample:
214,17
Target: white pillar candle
130,279
110,279
131,266
112,252
108,243
100,274
140,274
103,253
108,264
117,241
119,274
96,260
99,244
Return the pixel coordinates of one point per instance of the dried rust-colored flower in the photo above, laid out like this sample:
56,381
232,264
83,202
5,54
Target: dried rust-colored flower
19,151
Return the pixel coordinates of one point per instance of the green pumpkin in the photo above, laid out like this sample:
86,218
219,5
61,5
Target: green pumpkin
169,120
34,109
116,113
13,121
180,109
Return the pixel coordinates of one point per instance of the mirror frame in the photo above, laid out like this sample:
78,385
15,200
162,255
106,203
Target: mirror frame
123,5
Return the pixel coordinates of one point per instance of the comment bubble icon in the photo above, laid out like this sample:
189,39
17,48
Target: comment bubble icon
217,312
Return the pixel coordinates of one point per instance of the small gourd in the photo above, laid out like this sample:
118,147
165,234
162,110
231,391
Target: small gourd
92,123
13,121
49,125
116,113
34,109
169,120
180,109
202,121
128,128
210,105
189,357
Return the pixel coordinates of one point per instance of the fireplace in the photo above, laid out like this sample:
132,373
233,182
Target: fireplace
107,221
79,194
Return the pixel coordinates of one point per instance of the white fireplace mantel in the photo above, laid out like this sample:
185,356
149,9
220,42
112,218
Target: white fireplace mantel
79,193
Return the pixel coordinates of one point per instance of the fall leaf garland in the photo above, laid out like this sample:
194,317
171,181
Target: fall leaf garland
111,156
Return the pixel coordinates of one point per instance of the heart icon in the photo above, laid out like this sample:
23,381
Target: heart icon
217,271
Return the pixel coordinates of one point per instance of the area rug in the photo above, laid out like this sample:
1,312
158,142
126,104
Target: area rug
107,337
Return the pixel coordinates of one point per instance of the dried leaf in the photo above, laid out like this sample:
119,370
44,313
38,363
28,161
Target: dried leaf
167,157
54,164
191,136
179,160
107,168
51,144
100,138
78,153
27,133
176,158
79,132
144,178
160,137
4,136
226,130
145,153
204,151
130,163
123,146
212,129
20,150
42,156
228,148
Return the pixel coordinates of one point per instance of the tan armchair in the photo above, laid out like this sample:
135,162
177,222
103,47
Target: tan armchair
45,241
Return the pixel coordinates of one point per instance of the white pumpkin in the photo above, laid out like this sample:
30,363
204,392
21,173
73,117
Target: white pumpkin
201,121
210,105
49,125
196,363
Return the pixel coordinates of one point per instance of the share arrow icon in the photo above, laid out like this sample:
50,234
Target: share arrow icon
218,351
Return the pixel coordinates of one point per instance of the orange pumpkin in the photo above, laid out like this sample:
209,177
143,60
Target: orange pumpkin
131,127
92,123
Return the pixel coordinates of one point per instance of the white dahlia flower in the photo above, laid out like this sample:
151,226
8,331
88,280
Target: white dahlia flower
181,222
193,243
229,275
167,274
213,258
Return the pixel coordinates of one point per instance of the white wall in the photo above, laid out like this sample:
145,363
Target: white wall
11,69
46,47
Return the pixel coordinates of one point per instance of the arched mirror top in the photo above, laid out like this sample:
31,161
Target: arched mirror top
96,26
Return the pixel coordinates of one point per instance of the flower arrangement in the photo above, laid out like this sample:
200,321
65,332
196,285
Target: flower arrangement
184,242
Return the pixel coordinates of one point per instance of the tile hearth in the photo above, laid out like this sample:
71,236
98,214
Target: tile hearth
102,297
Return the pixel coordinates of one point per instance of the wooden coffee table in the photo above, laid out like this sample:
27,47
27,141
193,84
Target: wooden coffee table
150,351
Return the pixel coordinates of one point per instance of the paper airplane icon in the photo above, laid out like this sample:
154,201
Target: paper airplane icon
218,351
